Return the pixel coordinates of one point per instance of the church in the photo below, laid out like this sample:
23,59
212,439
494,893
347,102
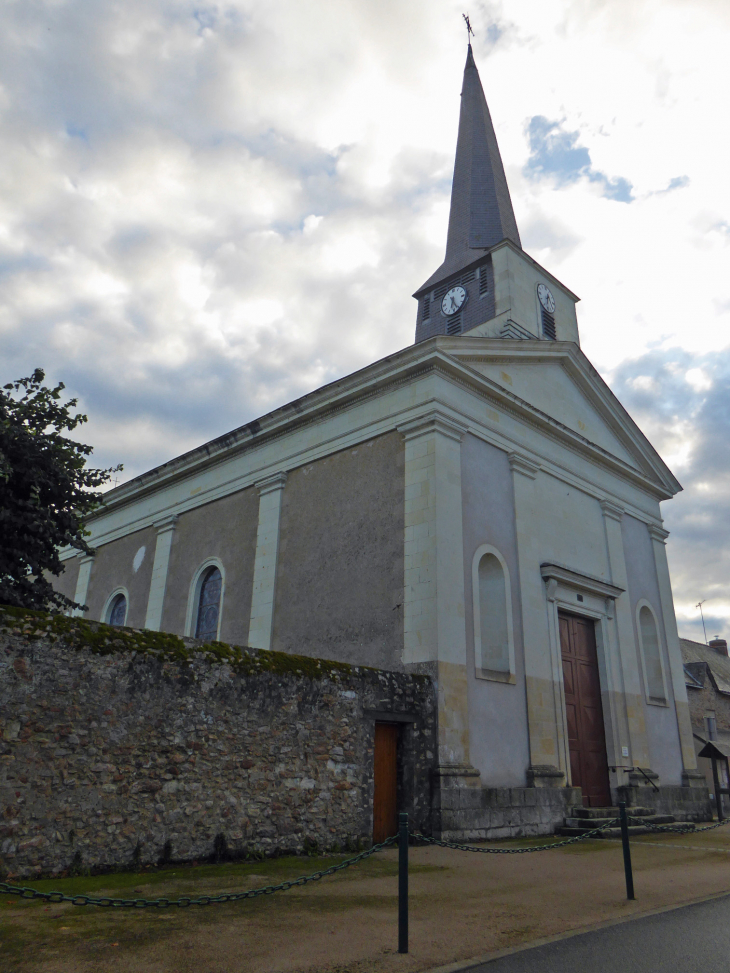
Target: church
477,507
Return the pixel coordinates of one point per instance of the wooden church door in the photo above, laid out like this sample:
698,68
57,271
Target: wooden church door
385,796
584,711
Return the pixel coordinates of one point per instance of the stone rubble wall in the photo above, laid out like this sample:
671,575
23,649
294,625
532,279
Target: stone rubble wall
112,755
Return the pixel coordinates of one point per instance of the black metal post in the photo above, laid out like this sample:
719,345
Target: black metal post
718,796
402,882
627,850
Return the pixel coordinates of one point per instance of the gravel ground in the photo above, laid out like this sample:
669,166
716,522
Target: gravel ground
463,907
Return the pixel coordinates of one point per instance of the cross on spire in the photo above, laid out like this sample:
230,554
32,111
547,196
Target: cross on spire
469,32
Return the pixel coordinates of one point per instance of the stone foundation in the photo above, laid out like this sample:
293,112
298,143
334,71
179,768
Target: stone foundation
470,813
685,803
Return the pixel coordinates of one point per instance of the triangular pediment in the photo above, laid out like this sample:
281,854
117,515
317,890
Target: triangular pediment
556,380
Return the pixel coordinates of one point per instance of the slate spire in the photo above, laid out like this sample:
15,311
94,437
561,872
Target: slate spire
481,209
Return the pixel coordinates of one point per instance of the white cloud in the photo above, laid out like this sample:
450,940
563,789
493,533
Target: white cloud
238,199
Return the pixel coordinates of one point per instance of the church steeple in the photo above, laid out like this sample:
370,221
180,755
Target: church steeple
481,209
481,213
487,285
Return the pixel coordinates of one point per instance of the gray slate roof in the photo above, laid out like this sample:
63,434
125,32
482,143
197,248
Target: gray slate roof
701,662
481,209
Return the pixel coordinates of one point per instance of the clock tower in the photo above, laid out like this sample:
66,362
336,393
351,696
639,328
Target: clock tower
487,285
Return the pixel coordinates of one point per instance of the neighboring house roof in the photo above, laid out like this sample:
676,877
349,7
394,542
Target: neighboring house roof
700,661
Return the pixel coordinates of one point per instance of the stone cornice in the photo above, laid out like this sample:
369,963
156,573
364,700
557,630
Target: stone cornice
583,582
441,356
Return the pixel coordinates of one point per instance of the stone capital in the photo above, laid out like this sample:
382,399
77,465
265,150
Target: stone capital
521,464
166,524
433,422
611,510
271,484
657,533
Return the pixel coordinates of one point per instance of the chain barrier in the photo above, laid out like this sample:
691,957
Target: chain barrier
184,902
684,828
24,892
513,851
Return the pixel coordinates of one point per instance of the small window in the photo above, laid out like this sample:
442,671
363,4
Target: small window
711,726
117,613
548,324
651,650
206,627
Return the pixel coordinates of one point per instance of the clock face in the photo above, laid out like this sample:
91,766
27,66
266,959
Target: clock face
453,301
546,298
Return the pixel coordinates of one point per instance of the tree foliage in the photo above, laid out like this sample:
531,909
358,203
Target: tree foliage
46,491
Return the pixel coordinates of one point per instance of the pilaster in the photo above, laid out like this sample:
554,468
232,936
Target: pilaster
542,674
261,625
82,582
679,689
631,730
434,626
160,565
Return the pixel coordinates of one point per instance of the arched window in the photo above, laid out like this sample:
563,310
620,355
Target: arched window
117,611
209,605
493,642
652,655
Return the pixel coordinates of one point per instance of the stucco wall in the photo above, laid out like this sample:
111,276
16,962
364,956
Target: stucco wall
571,528
224,529
114,567
498,743
661,721
339,585
66,581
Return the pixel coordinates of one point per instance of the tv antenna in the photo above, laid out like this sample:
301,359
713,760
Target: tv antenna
702,616
469,32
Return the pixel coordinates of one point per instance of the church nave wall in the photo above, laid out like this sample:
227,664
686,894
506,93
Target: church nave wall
224,529
339,585
66,582
125,563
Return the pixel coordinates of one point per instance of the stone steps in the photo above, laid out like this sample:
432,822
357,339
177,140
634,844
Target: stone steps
583,819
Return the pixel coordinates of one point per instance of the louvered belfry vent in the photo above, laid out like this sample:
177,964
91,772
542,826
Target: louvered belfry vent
483,281
426,307
440,291
548,324
454,324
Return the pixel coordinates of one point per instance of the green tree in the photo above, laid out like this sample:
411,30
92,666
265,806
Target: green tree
46,491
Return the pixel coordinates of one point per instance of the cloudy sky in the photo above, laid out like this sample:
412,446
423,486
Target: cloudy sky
207,209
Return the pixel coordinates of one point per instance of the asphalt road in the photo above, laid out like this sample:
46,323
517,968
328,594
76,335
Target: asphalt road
693,939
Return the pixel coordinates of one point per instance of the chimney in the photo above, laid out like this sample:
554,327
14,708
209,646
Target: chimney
719,645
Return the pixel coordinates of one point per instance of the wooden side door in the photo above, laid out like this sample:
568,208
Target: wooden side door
584,710
385,796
